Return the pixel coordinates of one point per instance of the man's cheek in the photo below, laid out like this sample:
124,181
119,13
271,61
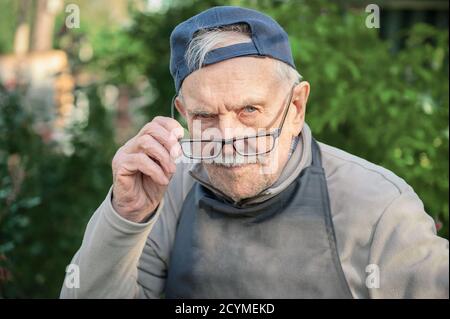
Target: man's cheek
269,164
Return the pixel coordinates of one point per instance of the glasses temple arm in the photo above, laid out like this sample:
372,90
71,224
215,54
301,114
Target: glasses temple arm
286,111
172,108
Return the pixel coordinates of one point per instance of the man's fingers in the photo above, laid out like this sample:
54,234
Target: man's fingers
170,125
164,137
174,128
149,145
144,164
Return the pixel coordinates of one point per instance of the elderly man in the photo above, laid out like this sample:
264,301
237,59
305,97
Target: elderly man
255,207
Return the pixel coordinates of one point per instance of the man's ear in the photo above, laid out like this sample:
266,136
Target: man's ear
179,104
300,98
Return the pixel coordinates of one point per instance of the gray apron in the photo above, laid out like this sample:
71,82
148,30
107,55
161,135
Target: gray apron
284,247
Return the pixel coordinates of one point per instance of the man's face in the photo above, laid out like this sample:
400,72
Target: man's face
240,97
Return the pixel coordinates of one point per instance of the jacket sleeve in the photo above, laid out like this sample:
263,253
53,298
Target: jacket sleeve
106,262
412,261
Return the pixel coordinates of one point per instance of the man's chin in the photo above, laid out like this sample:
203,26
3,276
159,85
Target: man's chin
237,182
238,191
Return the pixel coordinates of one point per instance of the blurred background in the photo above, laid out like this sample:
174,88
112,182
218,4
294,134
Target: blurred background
78,78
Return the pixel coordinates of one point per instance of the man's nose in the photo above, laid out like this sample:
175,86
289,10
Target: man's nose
227,127
228,150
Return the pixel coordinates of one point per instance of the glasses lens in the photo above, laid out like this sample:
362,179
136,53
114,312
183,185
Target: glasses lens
201,149
255,145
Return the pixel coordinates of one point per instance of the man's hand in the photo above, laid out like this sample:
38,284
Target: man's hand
143,167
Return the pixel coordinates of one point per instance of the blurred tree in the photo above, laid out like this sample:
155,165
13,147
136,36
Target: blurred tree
44,24
46,195
22,33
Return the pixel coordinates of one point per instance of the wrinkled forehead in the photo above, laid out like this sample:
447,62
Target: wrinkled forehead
232,80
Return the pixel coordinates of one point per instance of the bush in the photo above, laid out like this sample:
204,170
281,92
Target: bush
47,196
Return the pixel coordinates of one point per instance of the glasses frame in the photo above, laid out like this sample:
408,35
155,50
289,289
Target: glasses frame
275,133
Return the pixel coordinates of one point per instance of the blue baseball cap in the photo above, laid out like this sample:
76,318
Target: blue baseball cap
268,38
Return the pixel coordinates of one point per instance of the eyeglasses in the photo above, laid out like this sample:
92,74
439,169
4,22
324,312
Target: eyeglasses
248,146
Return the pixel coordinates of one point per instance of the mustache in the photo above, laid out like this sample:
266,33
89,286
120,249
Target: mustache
229,161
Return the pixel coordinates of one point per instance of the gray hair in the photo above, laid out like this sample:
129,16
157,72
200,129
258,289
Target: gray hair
206,40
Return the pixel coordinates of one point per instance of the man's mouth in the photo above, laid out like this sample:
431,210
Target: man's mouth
232,166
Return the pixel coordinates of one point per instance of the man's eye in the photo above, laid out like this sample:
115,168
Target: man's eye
249,109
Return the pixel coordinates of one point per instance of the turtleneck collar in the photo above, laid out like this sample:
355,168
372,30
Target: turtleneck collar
300,158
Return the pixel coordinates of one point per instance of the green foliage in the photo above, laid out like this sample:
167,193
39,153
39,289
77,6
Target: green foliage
42,221
7,25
